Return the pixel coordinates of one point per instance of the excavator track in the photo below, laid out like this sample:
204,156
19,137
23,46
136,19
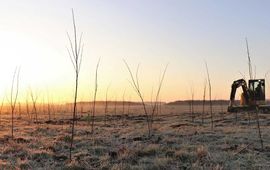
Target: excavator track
261,108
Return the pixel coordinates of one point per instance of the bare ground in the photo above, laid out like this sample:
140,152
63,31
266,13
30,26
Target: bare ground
122,143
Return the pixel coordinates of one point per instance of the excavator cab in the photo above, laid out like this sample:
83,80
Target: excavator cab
252,97
257,89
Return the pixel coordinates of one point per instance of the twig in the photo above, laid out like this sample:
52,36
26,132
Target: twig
241,150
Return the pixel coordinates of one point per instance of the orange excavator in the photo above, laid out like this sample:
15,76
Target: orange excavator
252,97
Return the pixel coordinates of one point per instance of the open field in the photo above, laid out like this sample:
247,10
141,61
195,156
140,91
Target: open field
122,142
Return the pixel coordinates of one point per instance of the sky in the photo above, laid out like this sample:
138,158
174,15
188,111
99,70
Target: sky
153,33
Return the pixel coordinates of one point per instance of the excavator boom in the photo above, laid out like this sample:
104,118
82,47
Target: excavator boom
235,85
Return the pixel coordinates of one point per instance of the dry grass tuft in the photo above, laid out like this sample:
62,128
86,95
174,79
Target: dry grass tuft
149,150
202,152
162,163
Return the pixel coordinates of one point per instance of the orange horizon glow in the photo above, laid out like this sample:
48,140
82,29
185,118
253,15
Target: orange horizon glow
183,34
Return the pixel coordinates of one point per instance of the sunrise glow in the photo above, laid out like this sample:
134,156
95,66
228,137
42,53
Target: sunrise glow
152,34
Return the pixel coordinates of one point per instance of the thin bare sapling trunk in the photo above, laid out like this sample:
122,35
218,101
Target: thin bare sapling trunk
249,61
259,127
13,98
106,105
81,111
20,110
89,112
115,106
191,104
27,109
190,112
154,109
34,101
204,94
158,107
115,112
1,108
95,96
43,107
210,95
136,86
128,107
123,106
48,107
222,111
249,70
75,53
53,109
152,91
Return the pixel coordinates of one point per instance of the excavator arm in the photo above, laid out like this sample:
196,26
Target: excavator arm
235,85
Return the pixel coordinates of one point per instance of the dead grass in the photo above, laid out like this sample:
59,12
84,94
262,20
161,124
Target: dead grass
125,145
